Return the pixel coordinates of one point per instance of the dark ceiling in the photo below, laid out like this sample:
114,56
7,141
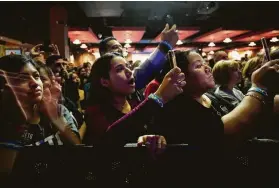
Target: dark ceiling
29,21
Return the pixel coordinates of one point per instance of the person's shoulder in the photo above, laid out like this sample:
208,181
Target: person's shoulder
154,82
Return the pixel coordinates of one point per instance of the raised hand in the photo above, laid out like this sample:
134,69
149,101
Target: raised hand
172,85
55,49
35,51
169,35
267,77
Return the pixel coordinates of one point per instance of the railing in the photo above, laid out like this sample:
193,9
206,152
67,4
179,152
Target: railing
178,166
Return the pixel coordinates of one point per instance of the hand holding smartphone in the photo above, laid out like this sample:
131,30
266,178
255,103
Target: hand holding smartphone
266,50
171,56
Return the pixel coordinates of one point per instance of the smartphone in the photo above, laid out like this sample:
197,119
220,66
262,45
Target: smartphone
266,50
172,59
169,20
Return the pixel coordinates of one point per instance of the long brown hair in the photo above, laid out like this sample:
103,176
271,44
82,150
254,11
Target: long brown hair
98,94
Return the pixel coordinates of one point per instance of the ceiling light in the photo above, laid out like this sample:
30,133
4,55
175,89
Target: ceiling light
227,40
76,41
128,41
203,54
274,39
252,44
83,46
127,45
211,52
211,44
179,42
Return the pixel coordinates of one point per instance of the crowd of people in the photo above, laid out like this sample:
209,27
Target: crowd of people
215,106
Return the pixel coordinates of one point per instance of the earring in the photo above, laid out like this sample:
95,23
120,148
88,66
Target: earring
35,107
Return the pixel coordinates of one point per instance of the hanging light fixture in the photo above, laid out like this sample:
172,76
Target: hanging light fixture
203,54
128,41
252,44
83,46
227,40
179,42
127,45
211,44
211,52
274,39
76,41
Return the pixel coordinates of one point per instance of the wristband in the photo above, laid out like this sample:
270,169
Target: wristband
259,90
157,99
167,44
256,97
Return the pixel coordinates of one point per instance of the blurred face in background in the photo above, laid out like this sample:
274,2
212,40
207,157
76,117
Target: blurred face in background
221,55
87,70
235,75
70,66
82,72
75,78
59,66
114,46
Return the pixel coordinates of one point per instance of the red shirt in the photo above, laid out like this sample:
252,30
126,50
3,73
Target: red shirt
151,88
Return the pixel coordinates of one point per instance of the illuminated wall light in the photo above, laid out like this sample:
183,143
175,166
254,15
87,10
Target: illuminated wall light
211,44
227,40
252,44
83,46
76,41
179,42
72,59
274,39
235,55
